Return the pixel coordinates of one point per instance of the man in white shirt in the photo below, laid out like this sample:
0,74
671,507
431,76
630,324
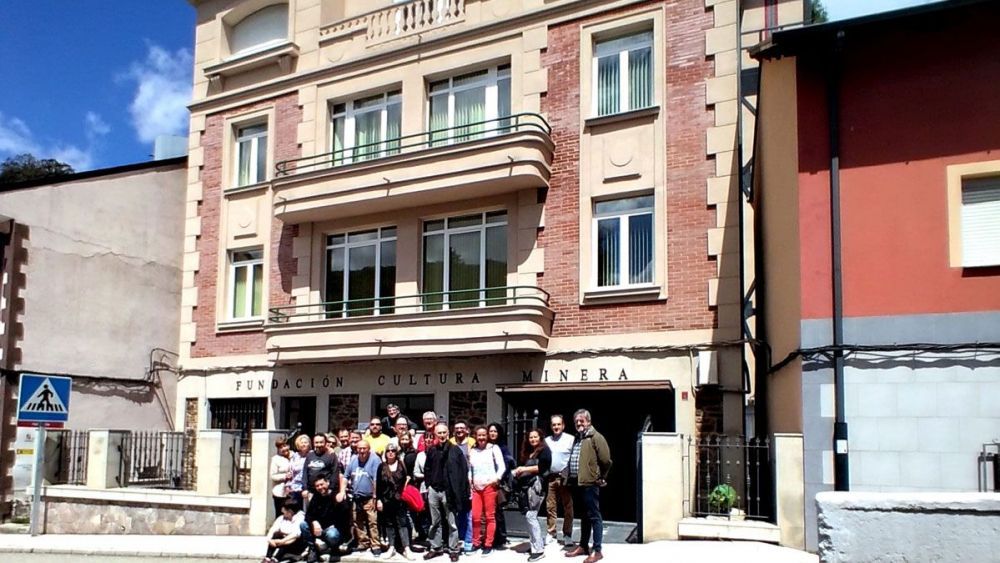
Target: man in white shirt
560,444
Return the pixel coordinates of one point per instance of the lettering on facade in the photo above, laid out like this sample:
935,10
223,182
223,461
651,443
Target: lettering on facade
394,380
573,375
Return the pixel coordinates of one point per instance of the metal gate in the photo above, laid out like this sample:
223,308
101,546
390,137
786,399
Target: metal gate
517,424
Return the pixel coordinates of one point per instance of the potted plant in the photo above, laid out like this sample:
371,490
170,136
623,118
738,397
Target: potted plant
722,499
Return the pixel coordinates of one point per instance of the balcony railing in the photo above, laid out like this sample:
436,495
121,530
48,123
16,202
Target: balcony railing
402,20
420,302
417,141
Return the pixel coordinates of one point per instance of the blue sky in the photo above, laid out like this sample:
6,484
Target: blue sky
93,82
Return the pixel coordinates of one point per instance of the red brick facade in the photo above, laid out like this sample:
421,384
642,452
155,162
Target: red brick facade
689,217
282,265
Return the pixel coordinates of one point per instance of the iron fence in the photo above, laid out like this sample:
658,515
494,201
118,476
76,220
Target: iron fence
153,460
71,454
732,477
989,468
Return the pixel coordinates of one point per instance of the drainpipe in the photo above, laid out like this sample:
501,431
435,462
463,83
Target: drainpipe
741,184
841,469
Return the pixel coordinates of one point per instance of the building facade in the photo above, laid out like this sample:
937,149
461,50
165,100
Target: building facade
902,290
483,208
90,289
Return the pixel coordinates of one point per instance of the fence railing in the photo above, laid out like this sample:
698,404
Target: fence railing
71,455
401,20
152,460
732,477
241,452
989,468
431,301
416,141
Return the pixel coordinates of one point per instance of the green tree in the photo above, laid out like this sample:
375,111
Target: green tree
817,12
22,167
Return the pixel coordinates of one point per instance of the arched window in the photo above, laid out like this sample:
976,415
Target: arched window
263,28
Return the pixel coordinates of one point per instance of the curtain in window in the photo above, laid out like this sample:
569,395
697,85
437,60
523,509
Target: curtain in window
261,158
335,282
439,118
240,292
608,245
463,269
433,271
503,104
258,290
607,85
640,77
338,141
496,264
640,249
393,128
470,108
367,130
244,169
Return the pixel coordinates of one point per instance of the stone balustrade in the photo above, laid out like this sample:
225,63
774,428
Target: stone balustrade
402,20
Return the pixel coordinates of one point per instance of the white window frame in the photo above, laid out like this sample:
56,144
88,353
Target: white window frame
490,81
347,245
623,73
447,231
235,265
350,113
981,222
256,142
624,217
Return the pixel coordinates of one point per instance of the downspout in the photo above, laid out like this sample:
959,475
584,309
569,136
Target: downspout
841,468
741,180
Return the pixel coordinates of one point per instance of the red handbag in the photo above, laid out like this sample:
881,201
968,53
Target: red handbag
412,498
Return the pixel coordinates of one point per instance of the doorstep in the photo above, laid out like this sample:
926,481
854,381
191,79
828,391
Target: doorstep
726,529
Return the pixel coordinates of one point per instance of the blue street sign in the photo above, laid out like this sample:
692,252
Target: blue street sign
43,398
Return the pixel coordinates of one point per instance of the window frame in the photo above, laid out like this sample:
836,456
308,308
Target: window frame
350,114
491,109
257,142
235,265
344,312
624,92
447,232
956,175
624,220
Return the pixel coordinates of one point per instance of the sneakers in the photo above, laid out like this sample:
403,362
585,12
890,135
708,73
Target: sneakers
388,554
536,556
408,554
487,551
550,539
568,541
377,551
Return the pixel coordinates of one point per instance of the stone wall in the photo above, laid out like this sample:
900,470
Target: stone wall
343,411
908,526
103,516
469,406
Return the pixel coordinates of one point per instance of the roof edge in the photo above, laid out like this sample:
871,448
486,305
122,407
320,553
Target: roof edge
89,174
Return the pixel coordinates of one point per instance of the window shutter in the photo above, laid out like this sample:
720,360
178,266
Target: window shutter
981,222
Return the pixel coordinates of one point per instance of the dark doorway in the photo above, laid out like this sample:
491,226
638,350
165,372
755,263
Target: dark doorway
296,410
413,406
618,415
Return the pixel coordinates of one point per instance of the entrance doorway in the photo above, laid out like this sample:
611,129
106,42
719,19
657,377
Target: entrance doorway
413,406
618,414
299,410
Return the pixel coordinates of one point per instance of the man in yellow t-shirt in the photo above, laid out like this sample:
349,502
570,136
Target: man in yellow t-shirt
375,437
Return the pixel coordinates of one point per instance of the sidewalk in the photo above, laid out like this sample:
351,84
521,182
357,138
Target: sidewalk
251,548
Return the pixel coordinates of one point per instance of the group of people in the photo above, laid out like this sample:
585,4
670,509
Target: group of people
395,488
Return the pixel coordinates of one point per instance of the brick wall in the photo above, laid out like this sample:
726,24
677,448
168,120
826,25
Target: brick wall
688,214
282,265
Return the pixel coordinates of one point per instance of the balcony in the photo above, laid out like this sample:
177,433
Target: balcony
514,319
471,161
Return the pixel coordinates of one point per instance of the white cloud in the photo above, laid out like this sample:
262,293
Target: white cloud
17,138
163,90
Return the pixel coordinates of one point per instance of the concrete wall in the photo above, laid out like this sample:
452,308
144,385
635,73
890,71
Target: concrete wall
99,287
909,527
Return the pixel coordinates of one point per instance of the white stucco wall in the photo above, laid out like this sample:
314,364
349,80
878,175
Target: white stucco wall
99,287
910,527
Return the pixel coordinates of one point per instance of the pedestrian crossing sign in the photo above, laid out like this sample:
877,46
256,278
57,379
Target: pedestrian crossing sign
43,399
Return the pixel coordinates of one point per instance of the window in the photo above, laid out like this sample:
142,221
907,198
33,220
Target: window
623,242
246,290
251,154
623,74
367,128
464,107
262,29
980,221
361,273
465,261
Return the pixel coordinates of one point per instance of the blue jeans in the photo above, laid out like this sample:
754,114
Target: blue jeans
464,521
591,518
330,536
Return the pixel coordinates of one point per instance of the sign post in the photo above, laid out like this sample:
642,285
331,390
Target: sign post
43,402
